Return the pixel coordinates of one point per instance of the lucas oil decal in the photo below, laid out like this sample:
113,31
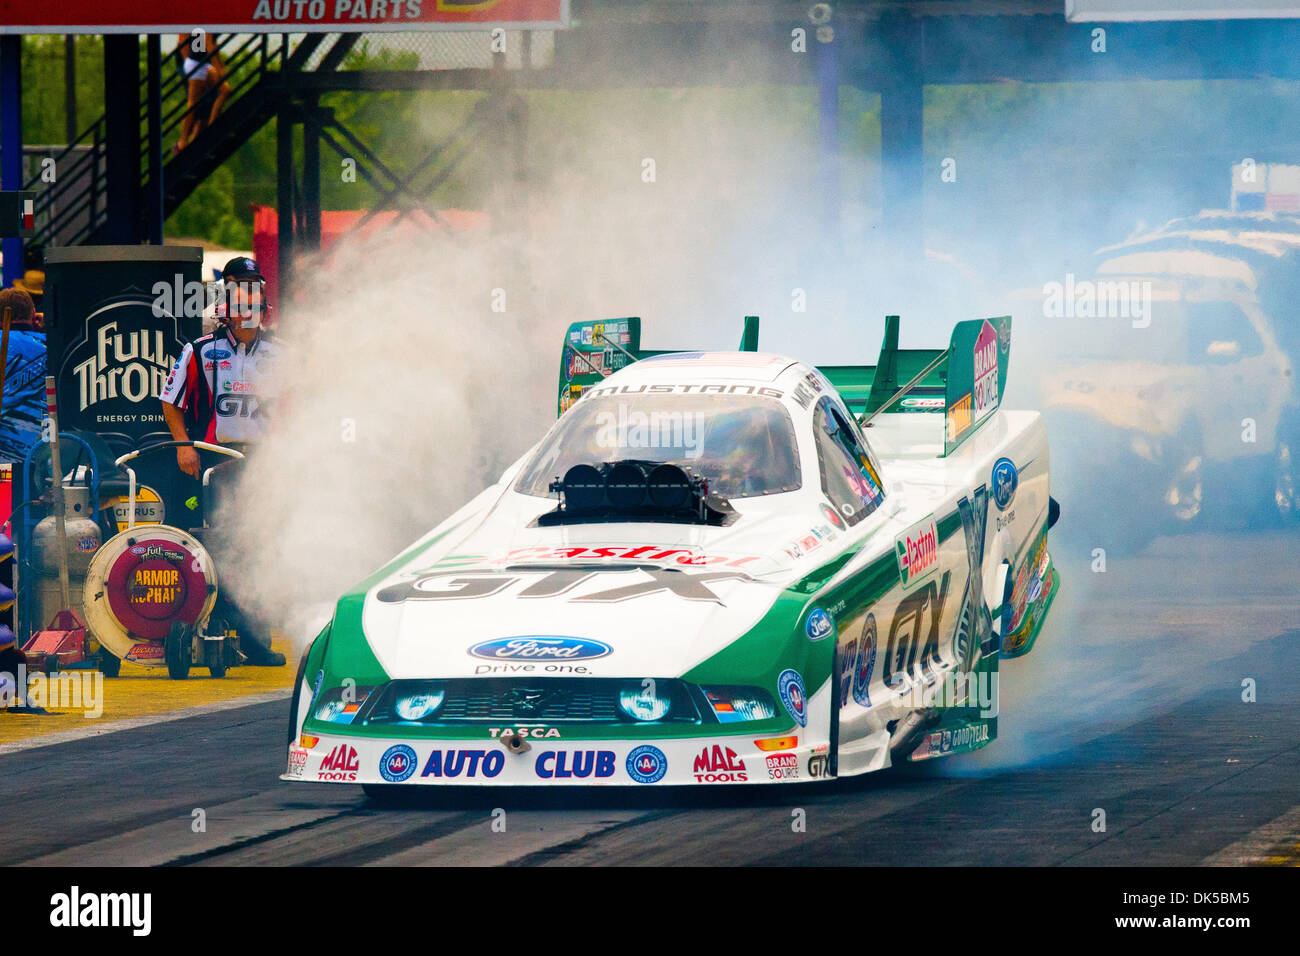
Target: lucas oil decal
917,549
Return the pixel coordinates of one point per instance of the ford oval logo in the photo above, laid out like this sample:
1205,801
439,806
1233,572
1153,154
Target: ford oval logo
1005,482
819,624
541,647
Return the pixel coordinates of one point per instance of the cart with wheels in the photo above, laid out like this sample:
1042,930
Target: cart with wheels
151,589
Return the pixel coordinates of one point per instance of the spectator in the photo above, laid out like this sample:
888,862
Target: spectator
220,390
22,308
203,72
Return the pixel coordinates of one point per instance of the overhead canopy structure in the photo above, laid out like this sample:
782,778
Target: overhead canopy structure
1083,11
285,55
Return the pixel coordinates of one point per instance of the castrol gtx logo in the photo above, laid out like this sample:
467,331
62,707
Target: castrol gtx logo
918,551
545,647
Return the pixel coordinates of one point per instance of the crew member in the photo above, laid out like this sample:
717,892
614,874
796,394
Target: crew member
221,389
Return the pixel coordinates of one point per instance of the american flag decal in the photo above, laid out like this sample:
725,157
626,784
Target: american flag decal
29,215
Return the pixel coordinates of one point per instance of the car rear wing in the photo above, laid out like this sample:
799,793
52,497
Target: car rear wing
965,382
595,349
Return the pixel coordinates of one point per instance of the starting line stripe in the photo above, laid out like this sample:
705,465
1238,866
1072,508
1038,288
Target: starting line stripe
1274,844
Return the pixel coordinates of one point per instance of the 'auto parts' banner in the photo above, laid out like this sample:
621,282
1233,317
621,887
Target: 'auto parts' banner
278,16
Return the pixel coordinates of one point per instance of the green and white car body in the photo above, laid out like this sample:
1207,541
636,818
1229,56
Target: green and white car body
850,613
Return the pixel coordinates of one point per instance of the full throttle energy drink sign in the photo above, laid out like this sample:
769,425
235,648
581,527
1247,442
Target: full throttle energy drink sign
111,345
117,367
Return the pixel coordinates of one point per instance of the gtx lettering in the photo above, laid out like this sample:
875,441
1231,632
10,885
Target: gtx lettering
460,585
906,629
244,405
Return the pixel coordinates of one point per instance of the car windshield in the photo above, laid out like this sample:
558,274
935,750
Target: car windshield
743,444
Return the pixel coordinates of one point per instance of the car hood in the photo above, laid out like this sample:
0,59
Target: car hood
506,598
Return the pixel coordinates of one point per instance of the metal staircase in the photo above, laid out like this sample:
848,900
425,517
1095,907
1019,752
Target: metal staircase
73,209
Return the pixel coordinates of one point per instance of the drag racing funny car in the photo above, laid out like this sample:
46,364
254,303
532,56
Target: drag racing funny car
715,568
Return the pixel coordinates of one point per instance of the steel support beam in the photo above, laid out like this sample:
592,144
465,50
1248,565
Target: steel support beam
122,138
311,176
284,202
153,204
11,140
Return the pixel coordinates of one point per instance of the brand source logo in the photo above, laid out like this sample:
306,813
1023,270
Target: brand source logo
918,551
783,767
986,371
297,761
541,647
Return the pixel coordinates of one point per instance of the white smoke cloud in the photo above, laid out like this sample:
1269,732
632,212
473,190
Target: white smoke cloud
396,335
406,393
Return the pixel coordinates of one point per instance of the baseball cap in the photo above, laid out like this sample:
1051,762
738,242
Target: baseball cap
241,267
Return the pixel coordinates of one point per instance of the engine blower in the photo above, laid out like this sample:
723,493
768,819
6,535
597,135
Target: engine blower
150,590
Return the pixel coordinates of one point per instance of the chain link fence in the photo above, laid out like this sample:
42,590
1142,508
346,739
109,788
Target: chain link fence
446,50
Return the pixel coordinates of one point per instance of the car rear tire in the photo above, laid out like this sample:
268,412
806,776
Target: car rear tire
214,655
297,694
110,665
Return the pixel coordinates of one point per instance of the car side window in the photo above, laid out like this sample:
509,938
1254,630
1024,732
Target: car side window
850,479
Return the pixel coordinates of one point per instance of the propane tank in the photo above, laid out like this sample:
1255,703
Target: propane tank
83,540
